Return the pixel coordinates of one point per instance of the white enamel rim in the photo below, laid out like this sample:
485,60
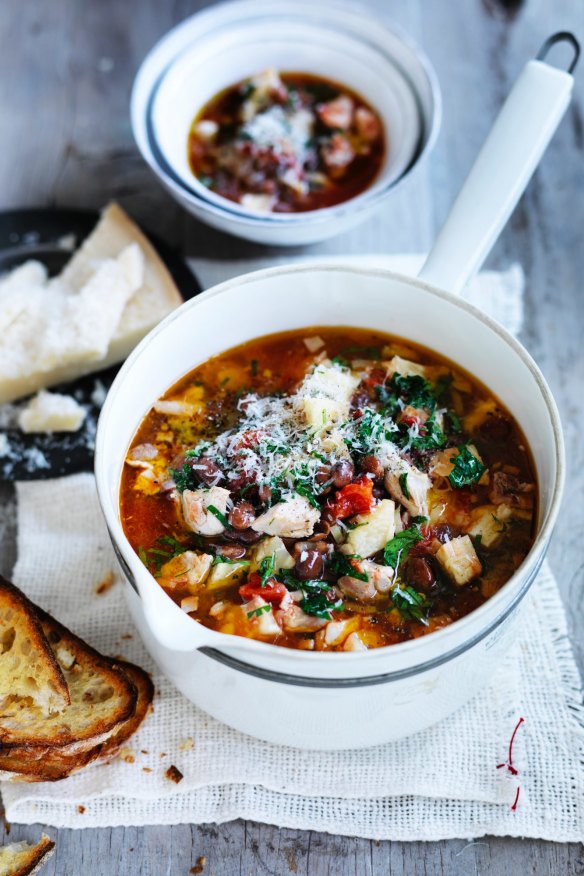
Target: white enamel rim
304,659
162,55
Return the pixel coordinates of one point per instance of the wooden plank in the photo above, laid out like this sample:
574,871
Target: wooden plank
65,76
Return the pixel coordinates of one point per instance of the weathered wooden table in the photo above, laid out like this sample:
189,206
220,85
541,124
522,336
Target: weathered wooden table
66,68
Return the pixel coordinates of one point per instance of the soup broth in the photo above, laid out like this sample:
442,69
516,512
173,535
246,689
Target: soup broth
329,489
287,142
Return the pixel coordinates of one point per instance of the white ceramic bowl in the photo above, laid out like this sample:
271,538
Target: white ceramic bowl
328,700
223,44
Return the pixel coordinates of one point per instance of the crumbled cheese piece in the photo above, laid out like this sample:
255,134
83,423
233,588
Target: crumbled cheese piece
52,412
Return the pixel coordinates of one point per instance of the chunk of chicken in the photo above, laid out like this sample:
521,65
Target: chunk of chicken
189,569
379,581
407,484
372,531
336,632
367,124
295,620
459,560
261,617
337,152
337,113
295,518
196,513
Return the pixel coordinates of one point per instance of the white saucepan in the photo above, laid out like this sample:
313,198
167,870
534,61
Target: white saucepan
344,700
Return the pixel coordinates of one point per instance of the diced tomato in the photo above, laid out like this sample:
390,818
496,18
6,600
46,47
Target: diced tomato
272,591
355,498
250,439
376,377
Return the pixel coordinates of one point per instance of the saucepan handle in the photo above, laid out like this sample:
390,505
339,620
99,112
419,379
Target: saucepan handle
512,151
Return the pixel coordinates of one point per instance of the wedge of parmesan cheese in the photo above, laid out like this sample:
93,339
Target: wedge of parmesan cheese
52,412
110,294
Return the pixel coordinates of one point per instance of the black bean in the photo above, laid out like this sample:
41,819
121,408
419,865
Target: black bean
245,536
323,474
496,428
372,465
242,515
342,473
419,572
309,565
232,551
206,471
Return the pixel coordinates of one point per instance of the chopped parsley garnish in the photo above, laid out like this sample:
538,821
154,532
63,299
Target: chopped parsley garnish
467,468
219,515
415,389
341,564
411,604
183,477
267,568
256,612
197,451
340,360
155,557
219,558
401,544
433,437
454,420
318,605
403,485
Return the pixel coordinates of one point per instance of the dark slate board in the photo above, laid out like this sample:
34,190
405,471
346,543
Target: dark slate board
42,235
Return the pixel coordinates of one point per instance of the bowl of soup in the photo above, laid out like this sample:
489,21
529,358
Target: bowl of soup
329,506
284,123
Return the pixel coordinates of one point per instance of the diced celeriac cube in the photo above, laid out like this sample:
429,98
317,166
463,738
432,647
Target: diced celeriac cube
218,609
224,574
196,513
257,203
189,569
295,518
407,484
320,413
372,531
354,643
269,547
405,367
489,522
261,617
314,343
459,560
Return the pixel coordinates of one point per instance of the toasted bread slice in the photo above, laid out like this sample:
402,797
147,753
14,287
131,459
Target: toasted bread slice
51,764
29,670
24,859
102,697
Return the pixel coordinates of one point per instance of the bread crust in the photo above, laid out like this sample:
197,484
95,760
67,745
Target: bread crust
33,857
27,612
52,732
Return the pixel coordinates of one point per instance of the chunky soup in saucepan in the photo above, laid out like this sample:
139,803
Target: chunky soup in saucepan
287,143
329,489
